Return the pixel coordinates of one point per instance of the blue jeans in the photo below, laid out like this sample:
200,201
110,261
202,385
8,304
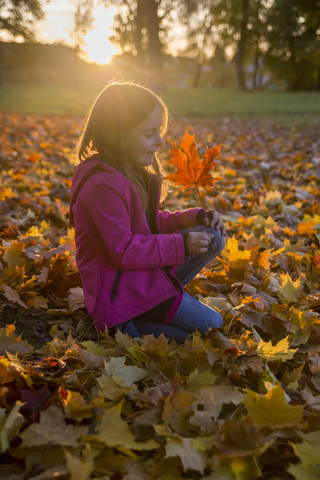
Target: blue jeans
191,315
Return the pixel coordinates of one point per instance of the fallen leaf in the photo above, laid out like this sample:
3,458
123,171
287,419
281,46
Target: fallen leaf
280,351
191,459
128,373
52,430
272,410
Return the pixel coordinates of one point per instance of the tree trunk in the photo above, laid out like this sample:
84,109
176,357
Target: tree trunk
197,76
154,64
256,71
242,45
201,57
138,33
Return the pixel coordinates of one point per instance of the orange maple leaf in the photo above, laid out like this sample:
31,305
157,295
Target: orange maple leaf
190,169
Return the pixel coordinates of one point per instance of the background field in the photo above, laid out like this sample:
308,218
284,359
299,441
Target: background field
199,102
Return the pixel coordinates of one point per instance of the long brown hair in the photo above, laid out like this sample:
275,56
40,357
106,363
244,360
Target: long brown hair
118,108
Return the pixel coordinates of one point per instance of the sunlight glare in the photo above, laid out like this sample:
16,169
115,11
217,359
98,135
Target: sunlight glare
97,46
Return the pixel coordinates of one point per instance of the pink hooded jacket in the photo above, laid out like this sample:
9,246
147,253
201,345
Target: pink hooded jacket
120,261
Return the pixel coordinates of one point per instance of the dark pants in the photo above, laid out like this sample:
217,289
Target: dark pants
191,315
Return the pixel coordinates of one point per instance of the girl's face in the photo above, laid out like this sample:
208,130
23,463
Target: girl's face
144,140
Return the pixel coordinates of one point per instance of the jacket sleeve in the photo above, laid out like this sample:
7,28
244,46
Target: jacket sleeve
109,220
172,222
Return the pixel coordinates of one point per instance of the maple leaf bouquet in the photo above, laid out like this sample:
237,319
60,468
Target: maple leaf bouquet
191,171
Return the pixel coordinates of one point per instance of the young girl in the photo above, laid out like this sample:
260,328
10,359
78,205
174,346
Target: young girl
133,258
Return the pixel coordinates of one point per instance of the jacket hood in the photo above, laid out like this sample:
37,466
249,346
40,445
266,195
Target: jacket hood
82,173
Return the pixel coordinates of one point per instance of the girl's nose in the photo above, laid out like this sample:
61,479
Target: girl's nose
159,140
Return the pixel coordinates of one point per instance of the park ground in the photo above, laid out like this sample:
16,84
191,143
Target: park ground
242,403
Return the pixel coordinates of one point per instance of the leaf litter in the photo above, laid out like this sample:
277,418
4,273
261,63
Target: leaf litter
242,403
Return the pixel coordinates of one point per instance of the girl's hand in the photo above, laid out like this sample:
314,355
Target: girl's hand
197,242
212,219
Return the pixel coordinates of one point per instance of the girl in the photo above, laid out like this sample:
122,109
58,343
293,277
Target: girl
133,258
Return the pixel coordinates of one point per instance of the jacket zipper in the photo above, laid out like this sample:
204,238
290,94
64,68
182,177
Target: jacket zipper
115,285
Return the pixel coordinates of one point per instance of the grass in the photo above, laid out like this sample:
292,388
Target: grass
209,102
201,102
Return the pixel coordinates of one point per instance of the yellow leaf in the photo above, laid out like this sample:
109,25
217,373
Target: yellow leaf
245,468
6,192
177,410
12,254
115,432
76,407
33,232
10,425
232,252
108,388
281,351
7,373
198,380
309,466
290,291
80,468
128,373
38,302
306,227
273,198
302,319
272,410
10,342
95,348
157,347
264,260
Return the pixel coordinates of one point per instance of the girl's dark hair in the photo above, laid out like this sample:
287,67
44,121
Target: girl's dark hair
118,108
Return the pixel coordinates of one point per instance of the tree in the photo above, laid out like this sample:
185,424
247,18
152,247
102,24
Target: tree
201,36
140,28
17,17
83,19
223,23
294,42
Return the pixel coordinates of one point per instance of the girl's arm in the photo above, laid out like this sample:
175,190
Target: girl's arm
104,215
172,222
188,218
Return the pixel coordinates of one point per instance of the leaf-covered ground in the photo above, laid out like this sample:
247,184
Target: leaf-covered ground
240,404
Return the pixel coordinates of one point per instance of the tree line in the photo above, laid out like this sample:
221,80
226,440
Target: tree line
282,36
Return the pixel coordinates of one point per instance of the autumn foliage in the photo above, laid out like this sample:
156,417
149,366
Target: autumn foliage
191,171
240,404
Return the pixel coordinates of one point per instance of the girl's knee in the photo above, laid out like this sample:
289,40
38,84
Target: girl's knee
218,242
216,320
212,319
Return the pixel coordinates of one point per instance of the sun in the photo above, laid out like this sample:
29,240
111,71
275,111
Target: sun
97,45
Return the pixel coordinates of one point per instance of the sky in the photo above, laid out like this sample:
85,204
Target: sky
58,23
